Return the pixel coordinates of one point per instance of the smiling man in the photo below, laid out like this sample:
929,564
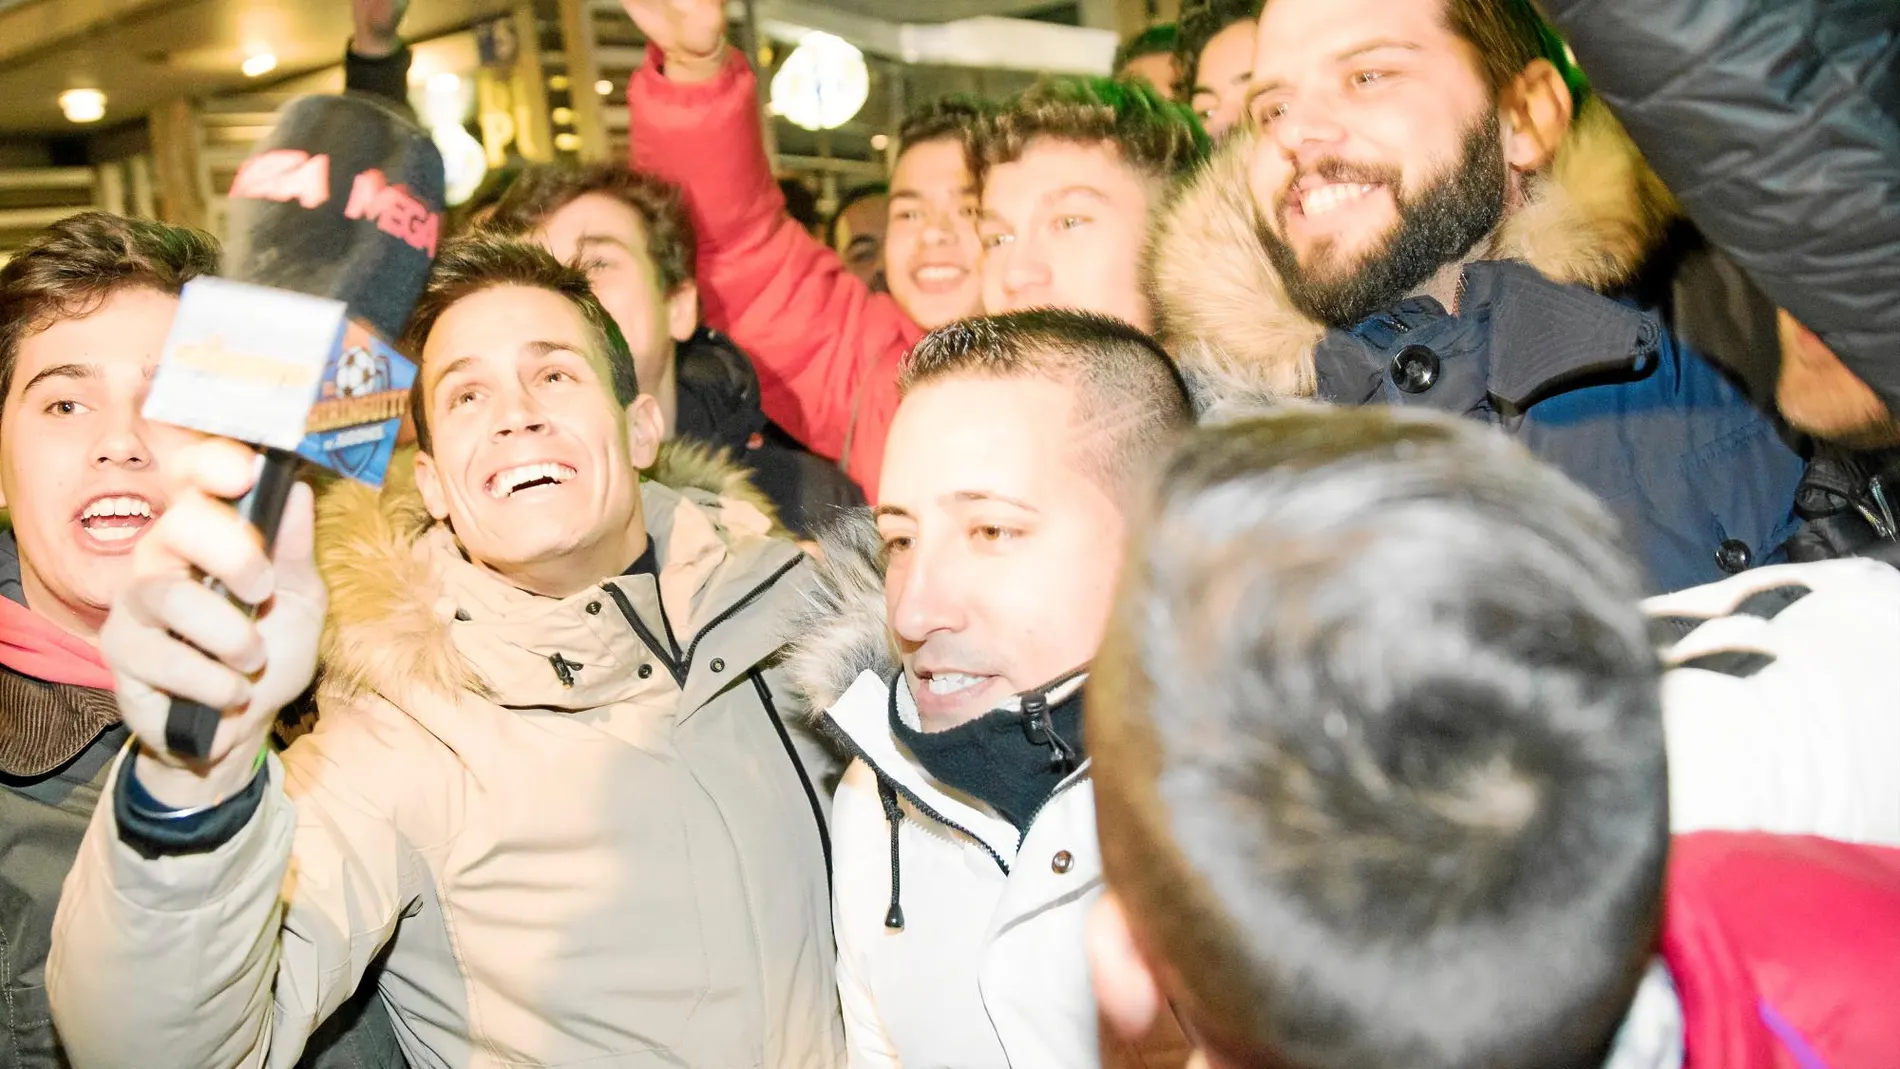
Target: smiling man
84,309
965,828
1076,171
551,785
1438,218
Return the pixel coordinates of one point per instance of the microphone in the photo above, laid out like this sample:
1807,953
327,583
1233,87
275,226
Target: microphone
331,230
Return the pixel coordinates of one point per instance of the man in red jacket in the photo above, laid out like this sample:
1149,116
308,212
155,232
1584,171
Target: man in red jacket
826,347
1362,806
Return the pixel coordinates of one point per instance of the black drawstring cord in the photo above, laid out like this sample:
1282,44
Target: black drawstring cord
893,815
1064,758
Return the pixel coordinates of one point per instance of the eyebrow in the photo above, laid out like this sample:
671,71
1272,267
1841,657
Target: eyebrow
67,371
961,497
533,348
602,239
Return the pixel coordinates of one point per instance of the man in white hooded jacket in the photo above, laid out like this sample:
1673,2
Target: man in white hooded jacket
949,648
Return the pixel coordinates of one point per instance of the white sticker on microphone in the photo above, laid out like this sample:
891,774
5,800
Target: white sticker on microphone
245,361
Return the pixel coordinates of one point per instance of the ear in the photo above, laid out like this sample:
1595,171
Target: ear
1536,110
429,482
1124,987
646,428
682,311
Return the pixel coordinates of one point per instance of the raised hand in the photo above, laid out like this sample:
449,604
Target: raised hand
168,635
690,33
376,23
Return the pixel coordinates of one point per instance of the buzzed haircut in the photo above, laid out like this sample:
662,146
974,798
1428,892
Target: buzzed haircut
1378,750
1127,389
68,270
482,262
1156,136
544,189
955,116
1157,40
1201,22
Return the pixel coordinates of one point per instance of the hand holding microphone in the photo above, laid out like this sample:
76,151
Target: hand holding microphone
169,636
334,222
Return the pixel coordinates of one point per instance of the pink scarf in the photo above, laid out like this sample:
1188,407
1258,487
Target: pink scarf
31,645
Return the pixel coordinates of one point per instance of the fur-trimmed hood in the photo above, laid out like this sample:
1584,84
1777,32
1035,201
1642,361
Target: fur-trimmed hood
384,622
1592,218
842,630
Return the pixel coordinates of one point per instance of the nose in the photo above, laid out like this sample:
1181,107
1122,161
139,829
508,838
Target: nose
940,227
1025,270
522,415
927,597
1305,126
123,444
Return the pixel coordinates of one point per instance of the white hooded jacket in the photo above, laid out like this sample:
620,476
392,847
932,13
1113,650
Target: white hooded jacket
960,942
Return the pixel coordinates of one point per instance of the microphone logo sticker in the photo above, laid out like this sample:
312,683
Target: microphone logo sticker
361,399
284,175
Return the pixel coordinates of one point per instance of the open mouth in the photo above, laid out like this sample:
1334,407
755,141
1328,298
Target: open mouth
939,278
116,519
1322,199
948,684
511,481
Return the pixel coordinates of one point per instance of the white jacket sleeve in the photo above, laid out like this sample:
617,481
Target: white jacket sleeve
232,958
1781,704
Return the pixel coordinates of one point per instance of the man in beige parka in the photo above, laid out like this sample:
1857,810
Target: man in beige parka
551,779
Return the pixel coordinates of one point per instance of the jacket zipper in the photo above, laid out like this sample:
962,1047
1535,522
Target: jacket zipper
843,739
804,778
679,669
1075,778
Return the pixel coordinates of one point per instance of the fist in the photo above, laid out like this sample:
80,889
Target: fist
690,33
168,635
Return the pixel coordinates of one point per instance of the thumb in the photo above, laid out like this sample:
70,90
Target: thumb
294,556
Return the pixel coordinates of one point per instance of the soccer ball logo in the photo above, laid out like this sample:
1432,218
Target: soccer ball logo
360,372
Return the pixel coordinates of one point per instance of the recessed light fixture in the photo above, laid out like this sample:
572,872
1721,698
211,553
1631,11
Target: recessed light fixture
604,87
83,105
880,142
258,64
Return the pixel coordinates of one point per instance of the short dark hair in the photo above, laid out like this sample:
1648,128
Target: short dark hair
1158,40
1201,22
1377,747
1156,136
1125,383
957,116
846,202
71,268
544,189
1507,35
482,262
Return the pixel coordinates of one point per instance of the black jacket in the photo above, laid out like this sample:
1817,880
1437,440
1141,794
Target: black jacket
719,406
1777,126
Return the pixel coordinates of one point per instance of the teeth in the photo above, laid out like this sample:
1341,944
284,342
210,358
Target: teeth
1326,198
117,534
951,682
117,506
506,482
940,274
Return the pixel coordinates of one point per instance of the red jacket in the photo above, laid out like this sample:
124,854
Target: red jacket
1785,951
826,347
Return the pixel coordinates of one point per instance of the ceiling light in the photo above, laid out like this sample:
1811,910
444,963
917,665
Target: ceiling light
83,105
822,84
258,64
880,142
444,82
604,87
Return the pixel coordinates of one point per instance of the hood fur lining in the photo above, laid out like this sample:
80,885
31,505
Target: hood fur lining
387,619
1591,219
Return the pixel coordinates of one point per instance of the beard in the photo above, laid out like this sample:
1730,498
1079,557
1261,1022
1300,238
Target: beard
1437,226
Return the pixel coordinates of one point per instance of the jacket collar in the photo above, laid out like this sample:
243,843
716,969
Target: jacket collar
1591,219
409,614
1517,337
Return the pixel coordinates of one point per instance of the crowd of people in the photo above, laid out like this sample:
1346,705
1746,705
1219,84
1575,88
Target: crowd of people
1365,540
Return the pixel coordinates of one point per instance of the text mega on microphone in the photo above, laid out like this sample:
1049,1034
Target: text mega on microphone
332,228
